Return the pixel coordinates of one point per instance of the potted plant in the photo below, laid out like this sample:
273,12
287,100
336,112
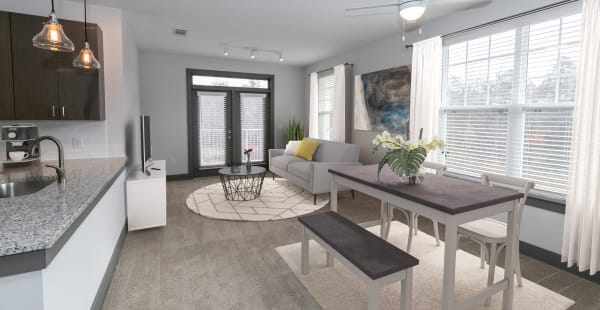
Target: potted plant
248,152
294,130
403,157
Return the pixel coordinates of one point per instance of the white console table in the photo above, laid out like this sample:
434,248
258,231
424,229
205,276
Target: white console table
147,197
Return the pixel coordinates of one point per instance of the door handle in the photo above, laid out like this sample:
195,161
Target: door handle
53,111
63,111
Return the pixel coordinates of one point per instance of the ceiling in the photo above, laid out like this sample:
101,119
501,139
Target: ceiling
306,31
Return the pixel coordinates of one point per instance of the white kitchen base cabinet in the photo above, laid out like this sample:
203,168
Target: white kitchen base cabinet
147,197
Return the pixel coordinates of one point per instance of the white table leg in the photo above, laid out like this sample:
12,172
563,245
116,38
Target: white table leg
406,291
384,219
333,207
374,297
449,265
334,195
304,257
511,230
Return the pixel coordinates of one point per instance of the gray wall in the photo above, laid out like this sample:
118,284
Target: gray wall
540,227
163,97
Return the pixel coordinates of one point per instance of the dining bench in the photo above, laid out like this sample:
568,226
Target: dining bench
371,258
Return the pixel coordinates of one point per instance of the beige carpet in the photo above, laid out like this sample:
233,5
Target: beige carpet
337,288
278,200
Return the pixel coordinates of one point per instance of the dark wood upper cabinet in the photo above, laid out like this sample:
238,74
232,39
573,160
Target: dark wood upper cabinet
81,91
45,85
35,74
7,105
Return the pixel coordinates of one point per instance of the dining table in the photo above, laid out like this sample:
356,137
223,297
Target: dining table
448,200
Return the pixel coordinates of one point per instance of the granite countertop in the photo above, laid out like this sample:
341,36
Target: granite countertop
36,221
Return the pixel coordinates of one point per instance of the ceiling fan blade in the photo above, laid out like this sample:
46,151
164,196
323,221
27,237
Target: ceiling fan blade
371,7
456,5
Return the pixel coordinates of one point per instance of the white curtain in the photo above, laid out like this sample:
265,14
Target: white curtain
581,235
426,90
338,119
313,113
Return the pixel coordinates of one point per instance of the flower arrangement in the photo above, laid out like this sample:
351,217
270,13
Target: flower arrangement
403,157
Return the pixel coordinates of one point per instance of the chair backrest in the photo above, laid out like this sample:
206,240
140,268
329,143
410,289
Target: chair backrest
520,184
440,169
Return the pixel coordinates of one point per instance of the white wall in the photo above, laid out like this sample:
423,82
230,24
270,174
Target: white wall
540,227
164,98
100,138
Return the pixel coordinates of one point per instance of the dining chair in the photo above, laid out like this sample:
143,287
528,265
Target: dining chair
411,217
492,232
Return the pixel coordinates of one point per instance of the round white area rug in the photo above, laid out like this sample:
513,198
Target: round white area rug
278,200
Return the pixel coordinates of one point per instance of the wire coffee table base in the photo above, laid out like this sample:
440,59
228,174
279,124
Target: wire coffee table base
242,186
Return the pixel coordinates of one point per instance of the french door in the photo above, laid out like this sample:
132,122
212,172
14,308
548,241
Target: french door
226,120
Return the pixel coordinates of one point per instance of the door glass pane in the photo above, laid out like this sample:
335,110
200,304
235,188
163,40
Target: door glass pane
253,123
206,80
212,129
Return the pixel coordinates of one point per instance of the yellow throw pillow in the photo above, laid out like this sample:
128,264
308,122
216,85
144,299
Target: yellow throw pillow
307,149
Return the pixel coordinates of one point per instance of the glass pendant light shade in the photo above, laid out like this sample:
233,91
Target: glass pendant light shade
52,37
86,59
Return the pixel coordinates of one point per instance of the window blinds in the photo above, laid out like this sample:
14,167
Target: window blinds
508,101
212,128
326,96
254,120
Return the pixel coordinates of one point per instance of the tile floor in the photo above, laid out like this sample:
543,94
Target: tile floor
199,263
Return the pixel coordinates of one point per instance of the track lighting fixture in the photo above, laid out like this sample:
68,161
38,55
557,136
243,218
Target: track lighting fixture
253,54
226,52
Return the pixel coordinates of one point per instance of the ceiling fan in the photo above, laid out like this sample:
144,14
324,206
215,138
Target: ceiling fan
412,10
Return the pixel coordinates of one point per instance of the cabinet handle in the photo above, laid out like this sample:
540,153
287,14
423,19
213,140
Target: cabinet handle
53,111
63,111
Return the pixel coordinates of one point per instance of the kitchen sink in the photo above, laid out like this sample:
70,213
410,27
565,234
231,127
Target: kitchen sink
20,188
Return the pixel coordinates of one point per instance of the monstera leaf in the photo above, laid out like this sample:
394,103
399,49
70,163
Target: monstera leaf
404,162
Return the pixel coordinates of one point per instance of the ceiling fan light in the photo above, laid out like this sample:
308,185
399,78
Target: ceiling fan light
412,10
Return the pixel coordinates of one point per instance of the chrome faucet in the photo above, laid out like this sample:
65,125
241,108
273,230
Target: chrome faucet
60,170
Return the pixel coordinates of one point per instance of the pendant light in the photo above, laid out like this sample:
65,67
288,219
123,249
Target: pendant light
52,37
86,58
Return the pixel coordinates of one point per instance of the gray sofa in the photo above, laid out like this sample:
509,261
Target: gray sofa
312,175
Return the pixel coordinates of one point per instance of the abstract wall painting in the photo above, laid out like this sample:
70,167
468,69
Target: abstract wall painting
382,100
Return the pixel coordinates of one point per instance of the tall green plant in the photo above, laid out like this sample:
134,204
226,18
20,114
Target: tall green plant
294,130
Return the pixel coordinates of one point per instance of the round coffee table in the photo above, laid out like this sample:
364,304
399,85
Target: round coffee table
240,183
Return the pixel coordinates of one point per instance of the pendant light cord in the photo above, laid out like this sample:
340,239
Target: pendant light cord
52,1
84,19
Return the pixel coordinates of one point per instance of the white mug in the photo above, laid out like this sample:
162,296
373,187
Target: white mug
18,155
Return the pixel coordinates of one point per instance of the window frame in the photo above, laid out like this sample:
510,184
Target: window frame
320,74
518,106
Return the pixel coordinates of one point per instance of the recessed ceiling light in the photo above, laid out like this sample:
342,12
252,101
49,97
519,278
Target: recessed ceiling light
180,32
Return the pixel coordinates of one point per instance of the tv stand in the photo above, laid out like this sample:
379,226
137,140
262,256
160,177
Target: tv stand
147,197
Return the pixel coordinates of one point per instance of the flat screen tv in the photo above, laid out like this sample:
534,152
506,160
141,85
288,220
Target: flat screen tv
146,146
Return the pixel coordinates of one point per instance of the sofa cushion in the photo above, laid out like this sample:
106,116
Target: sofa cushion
307,149
336,152
291,148
301,170
283,161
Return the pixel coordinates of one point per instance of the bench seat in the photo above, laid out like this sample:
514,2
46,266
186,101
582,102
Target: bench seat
372,258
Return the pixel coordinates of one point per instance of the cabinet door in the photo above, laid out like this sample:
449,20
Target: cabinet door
7,107
81,91
35,74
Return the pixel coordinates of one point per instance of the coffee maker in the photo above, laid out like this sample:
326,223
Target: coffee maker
19,138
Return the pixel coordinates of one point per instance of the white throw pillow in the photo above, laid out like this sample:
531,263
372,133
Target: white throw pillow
291,148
